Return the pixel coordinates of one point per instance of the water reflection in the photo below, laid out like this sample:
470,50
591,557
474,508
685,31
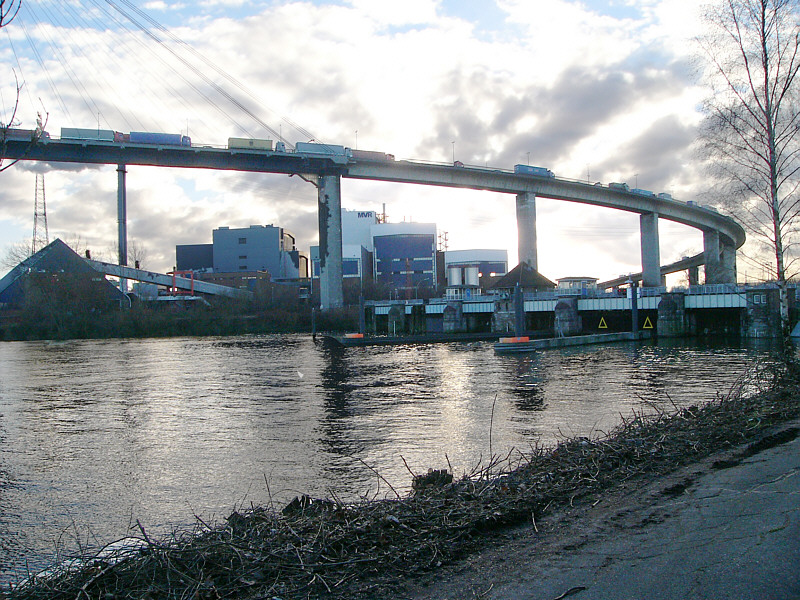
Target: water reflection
8,540
335,380
526,382
96,433
335,427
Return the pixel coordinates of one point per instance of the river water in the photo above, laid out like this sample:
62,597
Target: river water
95,435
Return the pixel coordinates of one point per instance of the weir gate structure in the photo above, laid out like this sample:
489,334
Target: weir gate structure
746,310
721,234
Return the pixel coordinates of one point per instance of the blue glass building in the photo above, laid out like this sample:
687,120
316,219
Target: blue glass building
405,255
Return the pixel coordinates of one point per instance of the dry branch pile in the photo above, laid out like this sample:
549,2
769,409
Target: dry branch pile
326,549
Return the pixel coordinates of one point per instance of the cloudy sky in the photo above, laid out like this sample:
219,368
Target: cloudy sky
600,90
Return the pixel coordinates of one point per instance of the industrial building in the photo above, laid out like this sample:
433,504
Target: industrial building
404,255
356,262
577,283
256,248
357,227
194,257
239,255
356,246
402,261
489,263
469,271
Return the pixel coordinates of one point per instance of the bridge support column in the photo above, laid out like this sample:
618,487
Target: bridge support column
651,256
526,229
711,255
727,262
122,223
567,321
671,320
694,276
329,207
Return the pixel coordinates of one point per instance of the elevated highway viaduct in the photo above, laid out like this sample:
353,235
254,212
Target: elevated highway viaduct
721,234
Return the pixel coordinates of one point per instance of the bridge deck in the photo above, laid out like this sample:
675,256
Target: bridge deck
477,178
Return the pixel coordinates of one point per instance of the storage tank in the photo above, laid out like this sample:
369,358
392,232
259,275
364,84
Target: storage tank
471,275
454,275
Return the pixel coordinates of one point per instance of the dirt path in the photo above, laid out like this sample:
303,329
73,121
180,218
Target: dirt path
726,527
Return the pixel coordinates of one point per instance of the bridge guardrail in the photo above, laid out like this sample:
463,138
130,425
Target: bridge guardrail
717,288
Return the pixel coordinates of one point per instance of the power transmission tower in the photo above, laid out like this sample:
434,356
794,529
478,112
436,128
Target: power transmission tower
41,237
443,239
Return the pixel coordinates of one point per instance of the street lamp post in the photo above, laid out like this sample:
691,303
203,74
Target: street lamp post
419,283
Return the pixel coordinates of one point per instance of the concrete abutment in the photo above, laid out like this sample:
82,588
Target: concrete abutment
672,320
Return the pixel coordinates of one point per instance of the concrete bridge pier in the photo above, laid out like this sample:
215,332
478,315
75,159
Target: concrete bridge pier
329,208
711,255
671,321
567,321
651,255
720,258
122,223
728,261
526,229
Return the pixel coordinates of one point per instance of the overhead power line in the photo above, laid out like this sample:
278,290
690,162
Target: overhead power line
186,63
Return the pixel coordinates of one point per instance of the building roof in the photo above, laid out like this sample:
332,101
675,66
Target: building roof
526,276
577,278
475,256
404,228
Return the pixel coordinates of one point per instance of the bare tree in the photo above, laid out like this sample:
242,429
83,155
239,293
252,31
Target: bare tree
137,253
15,253
30,137
749,136
8,10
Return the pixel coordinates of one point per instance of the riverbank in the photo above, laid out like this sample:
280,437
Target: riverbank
724,527
376,548
225,317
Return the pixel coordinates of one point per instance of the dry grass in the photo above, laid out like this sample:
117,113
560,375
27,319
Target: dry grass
328,549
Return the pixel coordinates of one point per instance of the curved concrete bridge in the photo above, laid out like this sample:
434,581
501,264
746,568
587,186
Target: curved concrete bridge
721,235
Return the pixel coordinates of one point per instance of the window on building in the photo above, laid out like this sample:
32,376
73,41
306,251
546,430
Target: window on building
242,256
243,267
243,240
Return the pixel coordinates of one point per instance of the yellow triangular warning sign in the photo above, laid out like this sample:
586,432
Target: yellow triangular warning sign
602,323
647,323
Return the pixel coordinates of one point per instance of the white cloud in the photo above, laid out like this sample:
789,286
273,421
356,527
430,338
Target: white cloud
411,12
577,88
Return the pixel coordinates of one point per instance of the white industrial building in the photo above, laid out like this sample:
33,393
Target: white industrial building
465,269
